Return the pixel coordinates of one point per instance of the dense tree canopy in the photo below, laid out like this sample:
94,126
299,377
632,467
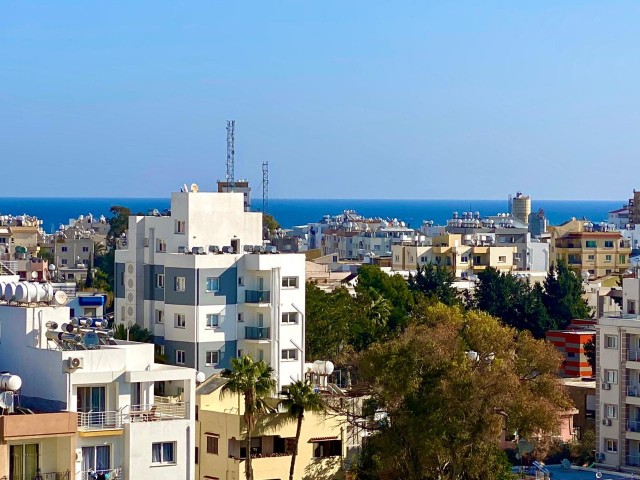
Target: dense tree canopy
443,409
435,282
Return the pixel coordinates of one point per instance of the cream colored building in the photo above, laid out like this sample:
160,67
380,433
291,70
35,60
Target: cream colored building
592,251
449,251
221,452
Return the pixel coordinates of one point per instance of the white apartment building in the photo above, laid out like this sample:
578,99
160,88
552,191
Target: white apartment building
191,277
618,380
124,426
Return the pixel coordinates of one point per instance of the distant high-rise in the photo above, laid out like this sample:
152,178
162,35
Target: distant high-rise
520,207
537,223
634,208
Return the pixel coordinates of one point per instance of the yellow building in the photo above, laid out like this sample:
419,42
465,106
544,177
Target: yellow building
449,251
590,250
220,440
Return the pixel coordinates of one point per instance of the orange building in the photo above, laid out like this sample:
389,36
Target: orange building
571,344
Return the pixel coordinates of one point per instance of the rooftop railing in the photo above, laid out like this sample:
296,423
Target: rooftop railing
111,420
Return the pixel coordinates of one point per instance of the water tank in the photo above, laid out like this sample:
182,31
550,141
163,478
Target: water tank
10,382
323,367
3,286
10,291
26,292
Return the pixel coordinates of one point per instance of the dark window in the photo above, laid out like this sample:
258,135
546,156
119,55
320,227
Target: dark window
331,448
212,444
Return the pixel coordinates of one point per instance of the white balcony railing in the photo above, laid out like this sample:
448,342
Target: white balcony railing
113,473
633,426
633,460
633,356
110,420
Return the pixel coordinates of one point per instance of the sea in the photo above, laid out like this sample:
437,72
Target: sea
290,212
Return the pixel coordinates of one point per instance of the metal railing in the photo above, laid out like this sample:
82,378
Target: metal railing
9,266
256,333
153,412
633,426
42,476
633,391
95,474
257,296
633,461
633,356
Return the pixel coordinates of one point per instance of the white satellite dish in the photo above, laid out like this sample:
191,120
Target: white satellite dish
185,189
34,275
194,188
60,298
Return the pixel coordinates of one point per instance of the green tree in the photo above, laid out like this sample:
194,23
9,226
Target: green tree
563,295
135,333
88,281
270,223
436,282
254,381
118,223
327,321
392,287
590,353
300,398
443,390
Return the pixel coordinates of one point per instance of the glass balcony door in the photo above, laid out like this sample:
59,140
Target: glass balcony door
24,461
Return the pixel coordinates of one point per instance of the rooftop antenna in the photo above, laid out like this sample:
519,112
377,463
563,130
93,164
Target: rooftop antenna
265,187
231,125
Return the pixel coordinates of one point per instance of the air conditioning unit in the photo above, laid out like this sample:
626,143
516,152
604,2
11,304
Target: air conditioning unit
198,250
214,249
606,386
606,421
74,363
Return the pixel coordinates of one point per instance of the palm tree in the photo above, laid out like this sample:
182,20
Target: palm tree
300,398
255,382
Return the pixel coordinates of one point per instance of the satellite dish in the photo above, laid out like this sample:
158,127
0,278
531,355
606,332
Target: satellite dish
34,275
91,340
60,298
200,377
185,189
194,187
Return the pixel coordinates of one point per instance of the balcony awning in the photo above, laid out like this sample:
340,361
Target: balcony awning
322,439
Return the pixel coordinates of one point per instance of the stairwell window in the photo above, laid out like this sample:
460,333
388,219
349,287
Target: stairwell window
163,453
159,280
213,284
180,320
611,341
159,316
290,282
611,376
180,357
612,445
212,358
213,320
180,285
180,226
290,354
212,444
290,317
161,245
611,411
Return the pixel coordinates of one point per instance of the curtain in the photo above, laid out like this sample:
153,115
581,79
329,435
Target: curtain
31,460
16,461
167,452
156,453
88,460
103,457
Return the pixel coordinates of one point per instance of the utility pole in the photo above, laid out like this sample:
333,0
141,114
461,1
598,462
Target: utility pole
231,125
265,187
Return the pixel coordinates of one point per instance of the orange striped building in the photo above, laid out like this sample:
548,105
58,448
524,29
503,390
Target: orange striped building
570,343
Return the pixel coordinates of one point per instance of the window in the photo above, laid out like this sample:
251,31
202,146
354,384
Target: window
212,444
477,260
65,249
163,453
608,244
622,259
611,411
159,316
161,245
464,259
239,352
212,358
240,281
502,259
180,320
612,445
180,357
591,258
607,258
260,355
23,460
70,275
331,448
590,244
290,317
64,261
197,456
631,307
610,341
213,284
611,376
241,317
213,320
180,226
85,263
290,282
96,458
85,249
159,349
290,354
159,280
180,284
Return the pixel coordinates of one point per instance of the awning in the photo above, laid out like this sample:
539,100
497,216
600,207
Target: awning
322,439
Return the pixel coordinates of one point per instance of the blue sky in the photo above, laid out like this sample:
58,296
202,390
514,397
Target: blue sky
345,99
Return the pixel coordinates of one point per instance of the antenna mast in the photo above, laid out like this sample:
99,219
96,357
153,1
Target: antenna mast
265,187
231,125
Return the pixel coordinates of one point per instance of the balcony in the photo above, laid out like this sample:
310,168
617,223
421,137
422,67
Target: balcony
633,355
256,333
89,475
44,476
633,391
257,296
633,461
633,426
114,420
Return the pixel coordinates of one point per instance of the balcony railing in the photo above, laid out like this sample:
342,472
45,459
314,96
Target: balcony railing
93,474
110,420
43,476
633,356
256,333
257,296
633,391
633,426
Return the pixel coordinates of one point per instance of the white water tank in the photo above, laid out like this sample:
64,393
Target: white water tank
10,382
10,291
3,286
26,292
323,367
